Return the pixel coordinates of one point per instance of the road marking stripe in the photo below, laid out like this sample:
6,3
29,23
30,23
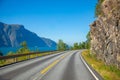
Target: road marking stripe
49,67
46,70
52,65
89,68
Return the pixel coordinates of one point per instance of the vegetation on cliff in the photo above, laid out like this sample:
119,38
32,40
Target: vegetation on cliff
98,10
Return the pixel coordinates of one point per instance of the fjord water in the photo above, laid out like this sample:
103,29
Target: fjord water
5,50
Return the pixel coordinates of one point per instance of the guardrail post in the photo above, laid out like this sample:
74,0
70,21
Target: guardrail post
15,59
28,56
36,55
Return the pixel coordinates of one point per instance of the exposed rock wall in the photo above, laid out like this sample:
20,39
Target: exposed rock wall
105,33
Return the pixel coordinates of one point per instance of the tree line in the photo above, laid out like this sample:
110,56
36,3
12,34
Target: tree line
82,45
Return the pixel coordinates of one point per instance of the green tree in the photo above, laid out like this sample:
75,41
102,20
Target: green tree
37,49
10,53
61,45
83,45
65,46
1,54
24,44
24,48
2,61
80,46
75,46
88,41
71,47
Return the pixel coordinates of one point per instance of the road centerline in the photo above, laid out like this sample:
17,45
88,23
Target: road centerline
52,64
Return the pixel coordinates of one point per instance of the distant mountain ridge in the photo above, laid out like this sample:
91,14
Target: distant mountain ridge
11,35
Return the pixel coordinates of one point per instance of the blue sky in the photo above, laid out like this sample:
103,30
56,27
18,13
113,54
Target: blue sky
68,20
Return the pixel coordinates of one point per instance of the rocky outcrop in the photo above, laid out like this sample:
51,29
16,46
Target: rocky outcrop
105,33
11,35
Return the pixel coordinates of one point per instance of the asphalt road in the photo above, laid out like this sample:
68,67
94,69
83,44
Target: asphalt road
61,66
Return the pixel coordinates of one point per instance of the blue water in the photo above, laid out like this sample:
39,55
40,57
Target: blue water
5,50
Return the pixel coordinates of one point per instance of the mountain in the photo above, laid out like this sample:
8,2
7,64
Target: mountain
11,35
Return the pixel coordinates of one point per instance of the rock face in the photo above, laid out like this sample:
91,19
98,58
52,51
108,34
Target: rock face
105,33
12,35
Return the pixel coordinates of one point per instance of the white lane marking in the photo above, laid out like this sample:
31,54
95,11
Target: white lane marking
89,68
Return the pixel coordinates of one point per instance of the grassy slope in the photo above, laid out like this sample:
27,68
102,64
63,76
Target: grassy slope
107,72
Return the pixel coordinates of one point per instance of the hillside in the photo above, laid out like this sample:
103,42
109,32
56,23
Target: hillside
11,35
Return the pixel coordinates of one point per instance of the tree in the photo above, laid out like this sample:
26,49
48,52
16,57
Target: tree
61,45
88,41
64,46
2,61
24,48
1,54
80,46
37,49
75,46
23,44
10,53
71,48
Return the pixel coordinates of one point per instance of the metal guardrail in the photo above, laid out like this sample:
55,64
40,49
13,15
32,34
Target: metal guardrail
20,55
15,57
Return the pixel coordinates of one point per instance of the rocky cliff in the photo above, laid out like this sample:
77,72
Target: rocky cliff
105,33
11,35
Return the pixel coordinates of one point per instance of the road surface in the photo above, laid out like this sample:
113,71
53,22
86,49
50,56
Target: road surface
66,65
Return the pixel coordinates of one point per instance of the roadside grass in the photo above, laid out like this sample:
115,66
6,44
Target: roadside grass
10,61
108,72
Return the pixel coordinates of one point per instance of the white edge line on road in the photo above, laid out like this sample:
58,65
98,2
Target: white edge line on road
89,68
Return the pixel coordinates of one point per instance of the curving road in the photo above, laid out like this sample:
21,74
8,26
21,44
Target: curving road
66,65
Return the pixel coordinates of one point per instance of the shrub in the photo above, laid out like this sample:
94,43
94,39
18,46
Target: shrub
98,10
